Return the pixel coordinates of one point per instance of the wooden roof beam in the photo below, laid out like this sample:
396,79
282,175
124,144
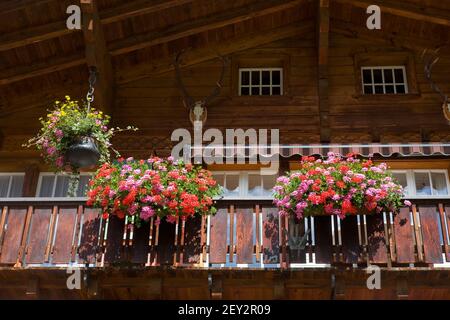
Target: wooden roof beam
406,10
323,30
57,29
215,21
177,32
97,55
223,48
382,37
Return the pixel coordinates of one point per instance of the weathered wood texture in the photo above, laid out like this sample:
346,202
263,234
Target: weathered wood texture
404,236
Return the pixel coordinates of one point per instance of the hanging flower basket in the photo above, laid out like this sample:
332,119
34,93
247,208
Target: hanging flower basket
160,188
337,186
83,153
73,136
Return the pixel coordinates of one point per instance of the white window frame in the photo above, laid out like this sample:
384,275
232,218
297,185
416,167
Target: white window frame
383,83
10,175
42,174
243,184
260,86
411,181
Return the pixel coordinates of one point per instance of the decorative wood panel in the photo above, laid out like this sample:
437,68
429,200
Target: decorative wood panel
13,235
404,237
244,235
270,235
193,240
446,217
166,243
218,237
64,238
113,247
430,234
39,235
351,249
323,239
296,240
141,247
89,239
376,239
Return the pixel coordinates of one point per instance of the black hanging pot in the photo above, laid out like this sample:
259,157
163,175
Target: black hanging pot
83,153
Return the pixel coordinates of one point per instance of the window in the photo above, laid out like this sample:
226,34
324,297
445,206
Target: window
11,185
424,183
384,80
245,184
260,81
52,185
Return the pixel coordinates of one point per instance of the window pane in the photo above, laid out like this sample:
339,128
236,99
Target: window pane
379,89
377,76
46,186
276,77
255,91
16,186
399,76
367,76
232,185
390,89
266,77
400,89
265,91
255,78
4,185
245,78
268,184
401,178
62,186
83,186
423,187
388,77
245,91
276,91
254,185
368,90
439,184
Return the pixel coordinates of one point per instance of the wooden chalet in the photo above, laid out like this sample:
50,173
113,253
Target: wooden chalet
312,69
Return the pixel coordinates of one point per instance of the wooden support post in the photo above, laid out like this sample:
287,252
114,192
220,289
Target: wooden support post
30,180
23,243
323,30
232,247
97,55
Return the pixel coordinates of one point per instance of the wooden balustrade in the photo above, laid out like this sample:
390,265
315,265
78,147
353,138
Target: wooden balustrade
37,232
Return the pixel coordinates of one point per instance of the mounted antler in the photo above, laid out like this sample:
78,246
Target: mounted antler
430,58
197,109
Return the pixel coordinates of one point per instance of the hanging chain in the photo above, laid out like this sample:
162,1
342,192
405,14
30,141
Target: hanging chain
92,81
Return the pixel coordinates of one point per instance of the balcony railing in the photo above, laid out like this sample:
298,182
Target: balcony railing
243,234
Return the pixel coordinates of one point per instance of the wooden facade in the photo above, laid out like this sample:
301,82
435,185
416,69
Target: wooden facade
321,46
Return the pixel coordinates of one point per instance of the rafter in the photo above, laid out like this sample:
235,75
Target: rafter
203,24
383,37
405,9
58,29
97,55
212,50
323,30
14,5
39,69
177,32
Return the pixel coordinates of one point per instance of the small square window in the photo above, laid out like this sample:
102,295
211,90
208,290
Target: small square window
11,185
384,80
260,82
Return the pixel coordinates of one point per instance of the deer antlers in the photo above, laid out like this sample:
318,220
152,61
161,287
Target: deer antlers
430,58
197,109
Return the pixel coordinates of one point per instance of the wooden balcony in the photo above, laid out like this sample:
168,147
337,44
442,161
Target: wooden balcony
51,232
